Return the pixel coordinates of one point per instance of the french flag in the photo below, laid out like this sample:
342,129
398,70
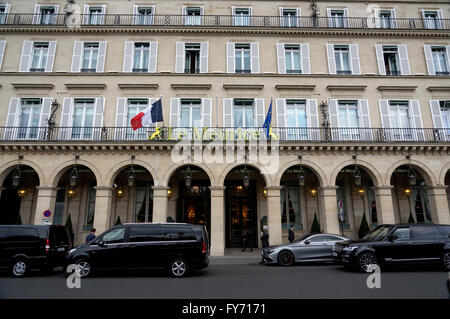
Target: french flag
151,114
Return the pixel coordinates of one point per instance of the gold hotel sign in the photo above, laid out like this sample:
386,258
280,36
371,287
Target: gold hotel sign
211,134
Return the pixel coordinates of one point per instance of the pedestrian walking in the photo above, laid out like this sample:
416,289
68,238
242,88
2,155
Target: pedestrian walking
246,239
291,236
91,235
265,239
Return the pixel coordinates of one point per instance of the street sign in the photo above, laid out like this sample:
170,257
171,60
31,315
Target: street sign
47,213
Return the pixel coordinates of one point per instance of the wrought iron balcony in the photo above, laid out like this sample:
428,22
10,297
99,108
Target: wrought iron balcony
175,134
110,20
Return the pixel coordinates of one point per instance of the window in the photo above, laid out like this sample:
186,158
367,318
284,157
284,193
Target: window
177,233
341,55
83,119
337,18
244,113
39,57
440,60
425,232
296,119
47,15
96,15
3,14
145,234
193,16
386,19
90,57
348,120
391,62
242,58
144,16
22,234
143,209
289,18
292,58
445,113
430,20
319,239
90,209
191,113
141,57
29,118
242,17
192,58
135,106
290,208
114,236
399,118
402,233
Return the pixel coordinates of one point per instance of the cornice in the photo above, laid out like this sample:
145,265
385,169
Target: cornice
439,88
152,86
85,86
396,88
346,87
191,86
295,87
243,86
32,86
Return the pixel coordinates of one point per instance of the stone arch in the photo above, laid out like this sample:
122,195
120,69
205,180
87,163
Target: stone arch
10,166
62,168
443,173
368,168
316,170
115,171
169,173
259,167
427,174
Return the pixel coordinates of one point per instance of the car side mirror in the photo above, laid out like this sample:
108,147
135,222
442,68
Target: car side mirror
393,238
102,244
307,242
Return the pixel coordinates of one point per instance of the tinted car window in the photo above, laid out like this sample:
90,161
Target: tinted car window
142,234
177,233
3,234
425,232
58,236
318,239
444,230
114,236
402,233
22,234
334,238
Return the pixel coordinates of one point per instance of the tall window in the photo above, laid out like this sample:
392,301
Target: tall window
145,16
193,16
399,118
192,60
440,60
47,15
385,19
341,55
391,61
242,17
242,58
141,54
296,119
348,120
90,57
2,14
29,118
90,209
39,60
143,208
135,106
292,58
191,113
337,18
244,113
290,208
430,20
95,15
83,119
445,112
289,18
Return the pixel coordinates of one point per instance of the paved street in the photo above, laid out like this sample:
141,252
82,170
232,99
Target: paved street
236,277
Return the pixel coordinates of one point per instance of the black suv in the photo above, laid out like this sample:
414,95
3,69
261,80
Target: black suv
394,244
173,246
25,247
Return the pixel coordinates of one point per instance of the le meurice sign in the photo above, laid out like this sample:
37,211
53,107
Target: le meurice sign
210,134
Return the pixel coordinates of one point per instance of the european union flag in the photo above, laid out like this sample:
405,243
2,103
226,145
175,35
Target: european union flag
268,120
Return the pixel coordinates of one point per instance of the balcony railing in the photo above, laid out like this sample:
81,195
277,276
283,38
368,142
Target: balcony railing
174,134
74,20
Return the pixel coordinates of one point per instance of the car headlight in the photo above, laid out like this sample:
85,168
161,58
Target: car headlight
269,251
72,250
350,248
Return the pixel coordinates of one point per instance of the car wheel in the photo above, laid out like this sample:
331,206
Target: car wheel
19,268
446,261
365,259
83,268
178,268
285,258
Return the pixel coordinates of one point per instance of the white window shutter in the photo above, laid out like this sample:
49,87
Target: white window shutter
7,8
228,119
37,14
103,14
86,14
447,54
204,48
174,118
2,52
153,57
12,118
101,56
394,24
254,48
333,112
312,120
384,113
230,58
281,58
135,14
330,20
364,119
429,59
404,61
346,20
44,116
25,59
179,57
66,119
380,59
260,114
98,111
250,18
128,56
417,120
121,117
299,19
440,23
331,59
184,14
354,56
207,112
280,10
305,58
376,14
77,56
202,15
233,13
436,115
51,56
281,112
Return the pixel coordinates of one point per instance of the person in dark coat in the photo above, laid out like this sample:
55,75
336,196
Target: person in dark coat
246,239
265,239
91,235
291,236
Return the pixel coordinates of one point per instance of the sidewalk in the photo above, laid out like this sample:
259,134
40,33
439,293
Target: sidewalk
236,256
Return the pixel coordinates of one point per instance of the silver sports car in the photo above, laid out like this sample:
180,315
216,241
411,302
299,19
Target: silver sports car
309,248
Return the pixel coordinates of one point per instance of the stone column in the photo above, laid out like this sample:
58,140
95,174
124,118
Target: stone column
274,215
217,221
102,213
385,206
437,197
45,201
160,198
329,211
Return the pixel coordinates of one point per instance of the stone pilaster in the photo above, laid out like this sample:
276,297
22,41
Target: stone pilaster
385,206
45,201
103,197
217,221
329,210
437,197
274,215
160,198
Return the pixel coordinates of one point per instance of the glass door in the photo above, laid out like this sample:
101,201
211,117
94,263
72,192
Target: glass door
29,119
83,120
400,122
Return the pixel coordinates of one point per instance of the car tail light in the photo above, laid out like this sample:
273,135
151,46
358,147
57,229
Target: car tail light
203,247
47,246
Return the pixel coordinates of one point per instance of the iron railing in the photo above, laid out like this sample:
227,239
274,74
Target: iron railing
174,134
76,20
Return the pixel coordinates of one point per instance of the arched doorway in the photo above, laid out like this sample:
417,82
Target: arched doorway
244,201
75,201
132,199
357,208
18,196
189,196
300,201
410,195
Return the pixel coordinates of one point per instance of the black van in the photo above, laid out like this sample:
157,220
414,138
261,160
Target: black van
23,248
173,246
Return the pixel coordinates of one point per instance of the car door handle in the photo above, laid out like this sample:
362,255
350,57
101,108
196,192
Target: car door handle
132,245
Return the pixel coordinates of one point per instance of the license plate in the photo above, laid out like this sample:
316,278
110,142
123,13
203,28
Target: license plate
61,249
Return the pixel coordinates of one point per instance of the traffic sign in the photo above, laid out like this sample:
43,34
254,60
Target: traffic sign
47,213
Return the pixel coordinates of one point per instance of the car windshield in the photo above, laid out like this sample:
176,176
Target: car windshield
301,238
377,234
